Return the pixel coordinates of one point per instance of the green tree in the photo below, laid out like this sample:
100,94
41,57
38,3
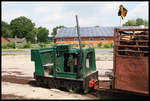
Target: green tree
31,35
146,23
137,22
55,30
130,23
6,31
21,26
99,44
42,34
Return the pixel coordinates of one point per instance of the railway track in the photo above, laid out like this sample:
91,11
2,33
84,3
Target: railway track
105,92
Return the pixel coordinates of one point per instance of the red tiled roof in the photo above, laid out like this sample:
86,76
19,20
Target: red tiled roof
11,39
4,40
20,39
17,40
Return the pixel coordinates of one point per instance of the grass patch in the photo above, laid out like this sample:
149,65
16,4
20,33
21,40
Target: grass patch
13,54
13,50
8,54
102,48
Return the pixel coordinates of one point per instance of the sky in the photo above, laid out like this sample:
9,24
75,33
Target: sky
51,14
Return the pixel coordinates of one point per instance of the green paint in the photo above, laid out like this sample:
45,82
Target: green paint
62,58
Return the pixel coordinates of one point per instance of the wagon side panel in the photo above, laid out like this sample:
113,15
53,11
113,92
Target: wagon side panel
132,74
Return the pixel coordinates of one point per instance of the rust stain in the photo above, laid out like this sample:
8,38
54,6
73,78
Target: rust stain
131,68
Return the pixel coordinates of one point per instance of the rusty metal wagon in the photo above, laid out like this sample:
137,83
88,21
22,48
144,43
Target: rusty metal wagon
131,54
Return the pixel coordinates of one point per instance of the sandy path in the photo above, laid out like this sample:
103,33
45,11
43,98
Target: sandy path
17,71
37,92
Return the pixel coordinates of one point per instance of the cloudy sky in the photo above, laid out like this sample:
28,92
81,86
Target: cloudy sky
51,14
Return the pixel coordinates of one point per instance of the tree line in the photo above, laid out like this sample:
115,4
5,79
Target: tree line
23,27
137,22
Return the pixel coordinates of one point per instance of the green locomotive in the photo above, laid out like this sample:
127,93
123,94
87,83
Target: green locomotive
60,67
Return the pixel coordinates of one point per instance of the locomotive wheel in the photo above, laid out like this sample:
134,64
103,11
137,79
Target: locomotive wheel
38,81
51,84
72,88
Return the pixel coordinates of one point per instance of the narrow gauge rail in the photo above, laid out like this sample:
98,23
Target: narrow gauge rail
106,92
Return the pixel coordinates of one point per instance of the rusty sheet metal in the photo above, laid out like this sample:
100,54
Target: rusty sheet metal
131,74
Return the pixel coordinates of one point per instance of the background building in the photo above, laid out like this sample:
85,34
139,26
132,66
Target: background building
17,40
89,35
4,40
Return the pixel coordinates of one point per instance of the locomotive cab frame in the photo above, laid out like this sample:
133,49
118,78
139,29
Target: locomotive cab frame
59,67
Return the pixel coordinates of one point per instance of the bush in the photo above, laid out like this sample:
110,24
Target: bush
52,44
83,44
20,46
26,45
75,45
4,46
106,45
111,45
42,45
35,46
9,45
99,44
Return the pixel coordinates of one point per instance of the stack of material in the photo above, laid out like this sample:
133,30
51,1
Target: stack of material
133,43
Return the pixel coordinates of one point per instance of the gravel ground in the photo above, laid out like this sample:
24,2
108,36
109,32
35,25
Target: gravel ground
18,82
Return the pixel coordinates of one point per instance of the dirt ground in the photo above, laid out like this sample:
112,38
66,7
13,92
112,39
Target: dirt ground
18,83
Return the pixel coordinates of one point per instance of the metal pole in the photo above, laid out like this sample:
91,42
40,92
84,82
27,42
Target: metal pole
80,45
120,21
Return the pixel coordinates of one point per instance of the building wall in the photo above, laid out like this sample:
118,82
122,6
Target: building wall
88,40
